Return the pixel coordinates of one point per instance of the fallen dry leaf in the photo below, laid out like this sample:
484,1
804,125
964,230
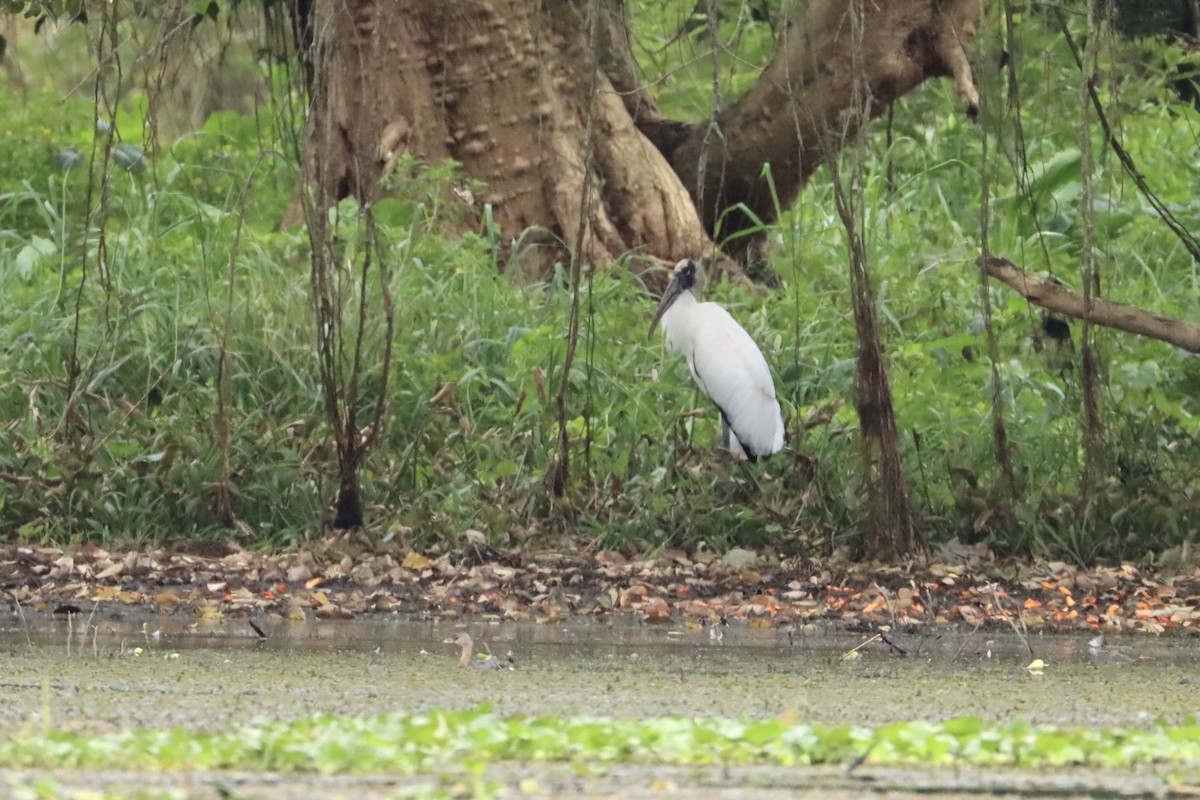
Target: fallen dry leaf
416,561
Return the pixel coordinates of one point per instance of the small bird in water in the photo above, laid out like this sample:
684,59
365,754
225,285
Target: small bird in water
1102,655
726,364
467,658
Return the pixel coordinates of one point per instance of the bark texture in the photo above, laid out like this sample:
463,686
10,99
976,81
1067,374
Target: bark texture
507,88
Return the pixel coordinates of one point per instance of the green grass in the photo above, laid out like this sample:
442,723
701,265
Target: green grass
134,457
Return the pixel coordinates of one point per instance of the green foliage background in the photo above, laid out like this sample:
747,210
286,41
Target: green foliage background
134,455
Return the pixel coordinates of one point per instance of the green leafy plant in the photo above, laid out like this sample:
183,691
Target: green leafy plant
422,743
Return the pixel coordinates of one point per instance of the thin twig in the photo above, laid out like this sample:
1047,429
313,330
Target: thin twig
1020,632
978,624
877,637
560,471
24,622
892,645
1178,228
999,434
888,598
87,625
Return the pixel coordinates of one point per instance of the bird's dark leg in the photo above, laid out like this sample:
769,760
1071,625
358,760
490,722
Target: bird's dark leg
727,442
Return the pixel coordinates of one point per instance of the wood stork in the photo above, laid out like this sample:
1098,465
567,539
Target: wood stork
726,364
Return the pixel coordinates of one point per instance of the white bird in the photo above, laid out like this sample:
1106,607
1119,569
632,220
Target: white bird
726,364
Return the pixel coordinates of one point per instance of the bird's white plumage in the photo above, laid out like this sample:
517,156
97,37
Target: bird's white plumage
729,368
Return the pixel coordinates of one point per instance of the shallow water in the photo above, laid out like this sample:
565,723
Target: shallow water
209,676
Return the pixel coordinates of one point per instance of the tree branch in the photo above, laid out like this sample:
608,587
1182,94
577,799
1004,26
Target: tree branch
823,78
1063,300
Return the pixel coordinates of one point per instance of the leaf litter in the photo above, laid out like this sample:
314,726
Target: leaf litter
334,578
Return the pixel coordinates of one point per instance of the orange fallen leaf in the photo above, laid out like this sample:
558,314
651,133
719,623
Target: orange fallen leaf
875,605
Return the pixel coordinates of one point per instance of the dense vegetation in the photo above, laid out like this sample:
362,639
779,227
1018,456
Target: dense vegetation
146,319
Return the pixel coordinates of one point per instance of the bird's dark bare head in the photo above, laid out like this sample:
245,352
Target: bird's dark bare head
687,275
684,278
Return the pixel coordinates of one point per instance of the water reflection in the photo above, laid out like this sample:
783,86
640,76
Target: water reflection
204,674
586,638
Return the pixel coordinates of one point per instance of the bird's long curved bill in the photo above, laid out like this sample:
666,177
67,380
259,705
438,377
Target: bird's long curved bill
669,296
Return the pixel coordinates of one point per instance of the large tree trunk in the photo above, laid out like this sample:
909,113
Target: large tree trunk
508,87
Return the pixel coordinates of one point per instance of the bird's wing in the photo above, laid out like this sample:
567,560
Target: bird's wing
730,368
